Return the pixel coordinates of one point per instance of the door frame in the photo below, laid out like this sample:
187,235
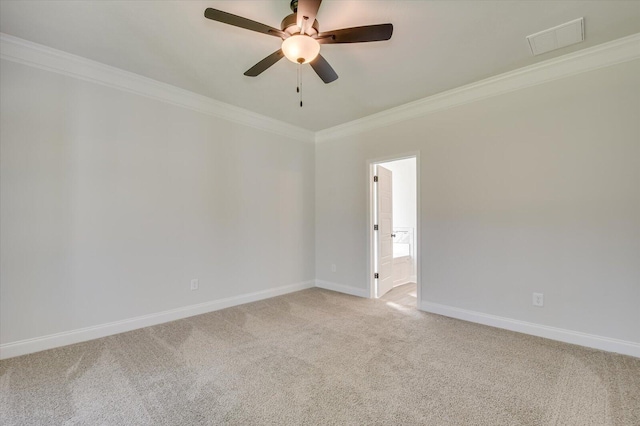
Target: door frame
371,163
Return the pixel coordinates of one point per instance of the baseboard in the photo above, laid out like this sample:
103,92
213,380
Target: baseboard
341,288
553,333
37,344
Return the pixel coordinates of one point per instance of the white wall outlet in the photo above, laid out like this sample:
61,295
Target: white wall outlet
195,283
538,299
333,267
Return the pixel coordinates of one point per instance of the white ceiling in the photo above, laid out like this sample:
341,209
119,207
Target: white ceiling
436,46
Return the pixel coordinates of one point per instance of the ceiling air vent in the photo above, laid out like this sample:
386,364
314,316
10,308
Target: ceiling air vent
557,37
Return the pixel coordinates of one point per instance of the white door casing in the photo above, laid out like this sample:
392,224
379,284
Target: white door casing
384,210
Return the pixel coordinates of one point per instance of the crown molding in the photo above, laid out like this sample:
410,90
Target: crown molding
36,55
603,55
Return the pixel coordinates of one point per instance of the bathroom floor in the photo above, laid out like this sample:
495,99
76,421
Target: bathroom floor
404,294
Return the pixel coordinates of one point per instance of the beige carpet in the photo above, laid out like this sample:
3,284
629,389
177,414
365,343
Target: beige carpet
319,357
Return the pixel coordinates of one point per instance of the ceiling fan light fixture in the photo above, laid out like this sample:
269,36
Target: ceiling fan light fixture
300,49
299,31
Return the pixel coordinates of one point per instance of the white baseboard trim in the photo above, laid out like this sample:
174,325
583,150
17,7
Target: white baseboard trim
37,344
341,288
553,333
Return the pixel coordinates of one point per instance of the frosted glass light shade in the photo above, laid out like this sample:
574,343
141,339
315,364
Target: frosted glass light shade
300,49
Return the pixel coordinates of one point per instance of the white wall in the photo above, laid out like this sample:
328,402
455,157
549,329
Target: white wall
111,202
536,190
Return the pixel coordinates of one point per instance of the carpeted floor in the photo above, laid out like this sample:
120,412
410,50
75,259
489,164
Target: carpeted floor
319,357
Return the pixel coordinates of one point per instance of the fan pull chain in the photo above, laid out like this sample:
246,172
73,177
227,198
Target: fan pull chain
299,88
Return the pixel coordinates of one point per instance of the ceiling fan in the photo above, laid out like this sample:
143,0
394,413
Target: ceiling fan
301,37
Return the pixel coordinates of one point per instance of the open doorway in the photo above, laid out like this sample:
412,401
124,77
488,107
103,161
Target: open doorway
394,232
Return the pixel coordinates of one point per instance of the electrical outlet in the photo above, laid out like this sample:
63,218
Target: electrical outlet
538,299
194,284
333,267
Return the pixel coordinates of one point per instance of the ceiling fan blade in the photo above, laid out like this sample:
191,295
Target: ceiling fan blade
367,33
323,69
307,11
261,66
239,21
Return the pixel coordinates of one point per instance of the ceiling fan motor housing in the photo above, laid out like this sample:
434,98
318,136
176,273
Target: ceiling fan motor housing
290,26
